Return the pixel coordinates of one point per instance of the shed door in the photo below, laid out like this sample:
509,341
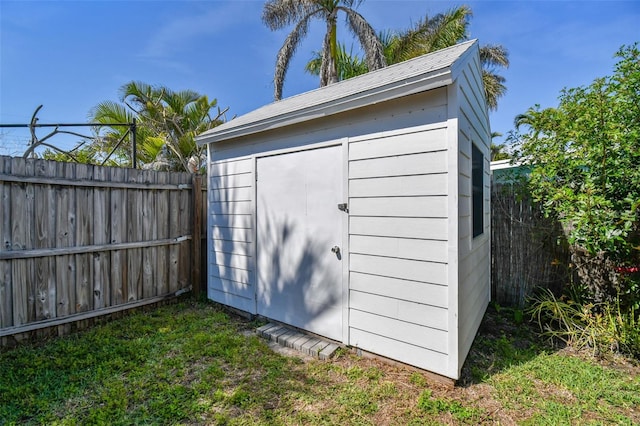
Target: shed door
299,276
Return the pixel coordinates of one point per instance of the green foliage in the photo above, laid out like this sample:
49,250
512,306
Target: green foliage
586,157
498,153
585,173
86,155
167,124
604,327
347,63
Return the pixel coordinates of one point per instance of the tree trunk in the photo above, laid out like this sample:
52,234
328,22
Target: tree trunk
332,76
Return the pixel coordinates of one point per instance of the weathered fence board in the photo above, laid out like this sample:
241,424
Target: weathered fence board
6,295
101,260
84,271
149,233
527,250
134,233
174,231
80,240
18,242
65,267
44,238
162,214
186,219
118,223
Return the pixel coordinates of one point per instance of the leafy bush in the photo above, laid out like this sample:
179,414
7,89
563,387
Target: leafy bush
585,172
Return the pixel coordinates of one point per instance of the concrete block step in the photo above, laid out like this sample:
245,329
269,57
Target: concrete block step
295,339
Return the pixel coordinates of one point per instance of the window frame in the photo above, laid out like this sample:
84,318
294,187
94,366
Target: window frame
477,191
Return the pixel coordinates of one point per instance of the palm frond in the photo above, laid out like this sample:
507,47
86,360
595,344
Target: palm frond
178,101
286,52
168,122
348,64
149,149
138,91
494,55
429,34
387,39
373,49
314,64
278,14
449,28
110,112
525,119
494,88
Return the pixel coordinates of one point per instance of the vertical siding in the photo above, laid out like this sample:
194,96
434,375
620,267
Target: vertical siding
398,245
232,277
474,286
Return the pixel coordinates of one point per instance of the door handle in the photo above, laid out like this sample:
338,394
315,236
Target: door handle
335,249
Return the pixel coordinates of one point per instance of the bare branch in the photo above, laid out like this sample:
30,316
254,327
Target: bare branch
65,132
67,153
221,113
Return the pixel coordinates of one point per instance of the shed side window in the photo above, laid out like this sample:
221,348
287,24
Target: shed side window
477,173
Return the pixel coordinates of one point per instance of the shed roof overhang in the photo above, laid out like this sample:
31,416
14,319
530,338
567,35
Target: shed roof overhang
421,74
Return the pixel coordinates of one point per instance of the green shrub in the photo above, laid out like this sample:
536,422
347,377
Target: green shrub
585,173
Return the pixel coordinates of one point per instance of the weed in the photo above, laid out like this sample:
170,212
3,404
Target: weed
357,400
431,405
425,403
418,380
604,327
241,398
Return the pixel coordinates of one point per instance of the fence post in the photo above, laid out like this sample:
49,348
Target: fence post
196,205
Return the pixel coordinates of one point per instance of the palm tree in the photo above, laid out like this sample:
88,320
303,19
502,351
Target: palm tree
111,142
493,56
278,14
347,64
497,150
428,35
168,122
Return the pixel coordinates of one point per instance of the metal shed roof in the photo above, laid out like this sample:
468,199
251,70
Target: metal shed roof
423,73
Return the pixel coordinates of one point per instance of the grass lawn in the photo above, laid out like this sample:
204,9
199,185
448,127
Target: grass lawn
192,363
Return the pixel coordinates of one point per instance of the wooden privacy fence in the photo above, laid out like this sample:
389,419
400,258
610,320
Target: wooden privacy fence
528,251
79,241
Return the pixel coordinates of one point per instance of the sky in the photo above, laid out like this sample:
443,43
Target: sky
70,55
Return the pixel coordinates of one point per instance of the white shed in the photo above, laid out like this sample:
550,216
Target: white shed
360,211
